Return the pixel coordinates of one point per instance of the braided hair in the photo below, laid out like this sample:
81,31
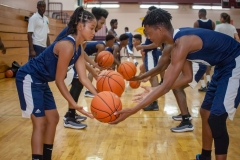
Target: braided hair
158,17
79,16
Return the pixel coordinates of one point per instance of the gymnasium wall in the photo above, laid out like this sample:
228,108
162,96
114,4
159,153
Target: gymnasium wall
30,5
129,15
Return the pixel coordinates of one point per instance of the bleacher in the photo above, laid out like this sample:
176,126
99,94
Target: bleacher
13,32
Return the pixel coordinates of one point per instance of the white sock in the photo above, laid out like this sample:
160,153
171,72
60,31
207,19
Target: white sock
203,83
128,59
208,78
134,60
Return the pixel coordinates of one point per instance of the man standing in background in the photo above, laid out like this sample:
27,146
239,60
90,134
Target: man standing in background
130,52
38,30
205,23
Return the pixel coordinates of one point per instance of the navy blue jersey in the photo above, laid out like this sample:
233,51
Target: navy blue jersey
110,49
91,47
147,42
205,24
130,39
62,34
218,49
44,66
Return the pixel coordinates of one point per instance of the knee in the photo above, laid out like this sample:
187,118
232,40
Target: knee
219,132
40,125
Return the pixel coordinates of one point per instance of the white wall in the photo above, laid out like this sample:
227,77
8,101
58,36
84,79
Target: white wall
67,4
29,5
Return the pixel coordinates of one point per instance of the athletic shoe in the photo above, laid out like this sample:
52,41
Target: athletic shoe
78,117
208,84
179,117
198,156
183,127
202,89
152,107
136,63
72,123
88,94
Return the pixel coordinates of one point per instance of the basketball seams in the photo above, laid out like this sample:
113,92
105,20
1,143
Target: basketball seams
105,102
131,68
117,83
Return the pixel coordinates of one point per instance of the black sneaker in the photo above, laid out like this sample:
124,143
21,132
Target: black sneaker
202,89
72,123
136,63
183,127
179,117
88,94
78,117
152,107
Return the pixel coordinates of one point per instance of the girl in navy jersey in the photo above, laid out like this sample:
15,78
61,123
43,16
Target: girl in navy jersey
32,79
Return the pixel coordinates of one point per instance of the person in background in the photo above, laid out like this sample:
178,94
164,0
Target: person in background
129,47
226,28
205,23
2,47
114,25
38,30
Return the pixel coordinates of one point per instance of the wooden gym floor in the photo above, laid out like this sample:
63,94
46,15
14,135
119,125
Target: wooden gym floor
143,136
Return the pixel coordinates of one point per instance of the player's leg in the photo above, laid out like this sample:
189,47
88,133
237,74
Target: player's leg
208,75
150,61
130,53
52,118
71,118
185,117
87,92
32,104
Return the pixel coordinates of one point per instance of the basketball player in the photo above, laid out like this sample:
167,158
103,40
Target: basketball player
205,23
115,50
71,118
150,61
95,48
130,46
114,25
198,71
201,46
32,79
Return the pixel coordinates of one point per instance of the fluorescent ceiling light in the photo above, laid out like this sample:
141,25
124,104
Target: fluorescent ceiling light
206,7
169,6
160,6
103,5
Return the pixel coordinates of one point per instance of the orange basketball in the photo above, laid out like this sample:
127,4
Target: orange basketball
111,81
134,84
9,73
104,105
105,59
127,70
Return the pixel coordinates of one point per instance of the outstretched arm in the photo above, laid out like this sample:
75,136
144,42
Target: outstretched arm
162,65
172,78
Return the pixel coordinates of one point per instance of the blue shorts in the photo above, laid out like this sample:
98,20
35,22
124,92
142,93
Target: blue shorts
198,72
223,94
34,95
38,50
151,59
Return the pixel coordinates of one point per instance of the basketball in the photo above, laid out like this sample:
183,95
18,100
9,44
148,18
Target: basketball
105,59
104,105
111,81
9,73
134,84
127,70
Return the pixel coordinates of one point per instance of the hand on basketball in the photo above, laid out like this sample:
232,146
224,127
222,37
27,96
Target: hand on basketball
123,114
135,78
141,96
81,110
